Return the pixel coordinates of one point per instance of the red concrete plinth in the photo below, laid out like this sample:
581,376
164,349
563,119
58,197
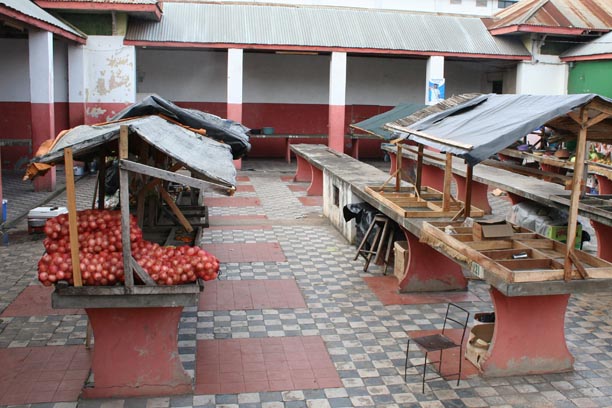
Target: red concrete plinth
604,247
515,198
479,194
393,162
316,182
428,270
433,177
604,184
136,353
529,336
302,172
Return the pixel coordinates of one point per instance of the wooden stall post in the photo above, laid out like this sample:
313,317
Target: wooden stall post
72,217
468,190
448,175
398,168
419,169
124,197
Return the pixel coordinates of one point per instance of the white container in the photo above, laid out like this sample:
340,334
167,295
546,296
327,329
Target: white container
39,215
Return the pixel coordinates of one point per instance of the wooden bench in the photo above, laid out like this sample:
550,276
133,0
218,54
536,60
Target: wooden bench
519,188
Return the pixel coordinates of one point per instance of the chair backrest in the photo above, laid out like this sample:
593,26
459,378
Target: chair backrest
457,315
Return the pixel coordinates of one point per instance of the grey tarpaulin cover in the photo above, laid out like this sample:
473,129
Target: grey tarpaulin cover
232,133
207,159
374,125
487,124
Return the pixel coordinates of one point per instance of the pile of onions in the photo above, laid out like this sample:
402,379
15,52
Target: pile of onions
101,259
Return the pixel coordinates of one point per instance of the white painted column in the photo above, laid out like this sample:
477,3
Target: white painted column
337,101
40,48
235,67
434,80
547,75
76,84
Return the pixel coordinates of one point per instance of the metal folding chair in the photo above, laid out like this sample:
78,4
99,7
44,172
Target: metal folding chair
440,342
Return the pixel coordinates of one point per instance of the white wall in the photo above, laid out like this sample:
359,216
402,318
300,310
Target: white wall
548,76
14,73
60,71
274,78
384,81
110,74
183,76
439,6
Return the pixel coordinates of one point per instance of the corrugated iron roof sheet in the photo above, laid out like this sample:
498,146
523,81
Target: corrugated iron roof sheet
321,27
602,45
587,14
106,1
28,8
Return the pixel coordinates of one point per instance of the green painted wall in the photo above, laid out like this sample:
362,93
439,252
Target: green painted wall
591,77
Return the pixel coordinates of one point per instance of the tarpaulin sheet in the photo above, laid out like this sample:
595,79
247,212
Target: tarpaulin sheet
232,133
374,125
483,126
206,158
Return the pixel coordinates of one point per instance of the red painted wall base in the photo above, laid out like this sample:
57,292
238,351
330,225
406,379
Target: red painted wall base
428,270
136,353
316,182
605,184
302,172
479,194
529,336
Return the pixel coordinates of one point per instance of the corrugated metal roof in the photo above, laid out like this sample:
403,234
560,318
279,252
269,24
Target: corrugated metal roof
106,1
587,14
602,45
321,27
30,9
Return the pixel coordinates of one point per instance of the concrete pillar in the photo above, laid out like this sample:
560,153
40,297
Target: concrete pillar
434,80
235,58
76,85
337,101
41,97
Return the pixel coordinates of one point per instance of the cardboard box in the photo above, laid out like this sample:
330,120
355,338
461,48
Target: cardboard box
400,250
478,342
491,229
559,233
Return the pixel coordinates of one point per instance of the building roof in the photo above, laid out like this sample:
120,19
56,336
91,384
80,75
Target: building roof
29,13
600,48
319,28
374,125
146,9
571,17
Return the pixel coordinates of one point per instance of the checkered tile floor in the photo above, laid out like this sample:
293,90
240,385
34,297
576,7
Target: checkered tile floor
363,338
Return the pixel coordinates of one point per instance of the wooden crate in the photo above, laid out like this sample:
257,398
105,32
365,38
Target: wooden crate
427,204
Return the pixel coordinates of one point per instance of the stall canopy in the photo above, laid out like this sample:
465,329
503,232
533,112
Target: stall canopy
374,125
207,159
224,130
481,126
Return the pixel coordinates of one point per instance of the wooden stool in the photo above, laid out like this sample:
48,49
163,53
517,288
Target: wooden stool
384,232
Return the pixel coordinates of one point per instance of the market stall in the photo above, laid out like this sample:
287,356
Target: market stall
134,304
531,277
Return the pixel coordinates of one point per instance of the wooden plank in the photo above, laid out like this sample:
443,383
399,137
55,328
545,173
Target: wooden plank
526,264
72,217
398,168
468,191
142,274
419,169
175,210
167,175
448,175
576,193
124,197
445,142
136,300
595,120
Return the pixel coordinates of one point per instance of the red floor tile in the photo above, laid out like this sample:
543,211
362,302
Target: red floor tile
233,218
297,187
287,178
450,361
245,188
251,294
242,178
232,202
30,375
274,373
238,227
386,290
36,301
311,201
256,252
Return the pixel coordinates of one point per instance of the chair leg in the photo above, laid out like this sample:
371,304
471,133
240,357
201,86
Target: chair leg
381,242
371,252
406,363
364,239
424,372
